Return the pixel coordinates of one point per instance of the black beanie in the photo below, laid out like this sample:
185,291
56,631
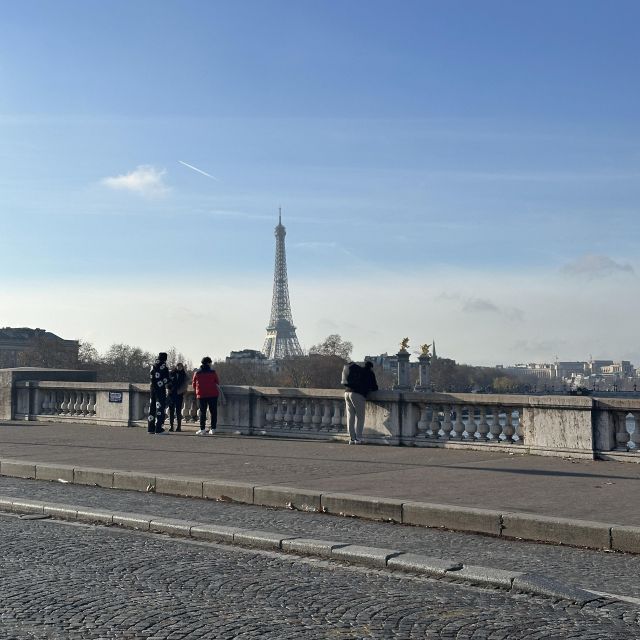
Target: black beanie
162,356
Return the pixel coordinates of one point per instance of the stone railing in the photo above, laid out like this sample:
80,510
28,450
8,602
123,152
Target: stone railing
544,425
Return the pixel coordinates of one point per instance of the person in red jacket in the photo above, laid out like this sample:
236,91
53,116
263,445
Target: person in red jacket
205,386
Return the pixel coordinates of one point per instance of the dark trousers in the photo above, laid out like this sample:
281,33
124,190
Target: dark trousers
212,403
175,408
157,409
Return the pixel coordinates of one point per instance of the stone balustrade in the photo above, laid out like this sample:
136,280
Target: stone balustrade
543,425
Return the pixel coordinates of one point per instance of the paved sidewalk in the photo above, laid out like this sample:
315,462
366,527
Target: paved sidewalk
586,490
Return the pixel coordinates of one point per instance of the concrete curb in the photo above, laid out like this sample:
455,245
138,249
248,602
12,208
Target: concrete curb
392,559
506,524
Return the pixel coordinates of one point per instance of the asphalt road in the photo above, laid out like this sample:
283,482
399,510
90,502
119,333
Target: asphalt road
60,580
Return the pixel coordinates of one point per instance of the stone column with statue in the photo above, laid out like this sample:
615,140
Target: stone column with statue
403,382
424,369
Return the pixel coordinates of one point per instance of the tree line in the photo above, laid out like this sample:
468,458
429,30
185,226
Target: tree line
319,368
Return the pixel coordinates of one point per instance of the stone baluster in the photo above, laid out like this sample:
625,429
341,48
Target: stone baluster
298,414
92,403
186,408
68,406
622,435
635,434
193,412
56,402
270,413
76,403
458,425
145,407
496,427
483,426
279,413
336,420
307,418
508,430
326,415
422,423
288,413
470,428
316,419
57,408
84,403
519,429
447,425
434,424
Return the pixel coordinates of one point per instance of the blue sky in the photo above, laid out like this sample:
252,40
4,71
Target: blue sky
426,155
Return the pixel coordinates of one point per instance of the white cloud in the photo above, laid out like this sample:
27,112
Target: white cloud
475,305
592,266
144,179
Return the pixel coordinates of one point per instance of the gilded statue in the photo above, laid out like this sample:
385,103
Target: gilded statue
404,344
425,349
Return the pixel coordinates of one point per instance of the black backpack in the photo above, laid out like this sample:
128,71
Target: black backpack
354,377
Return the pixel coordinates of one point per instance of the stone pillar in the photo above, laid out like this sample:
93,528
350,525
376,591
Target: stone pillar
424,373
402,382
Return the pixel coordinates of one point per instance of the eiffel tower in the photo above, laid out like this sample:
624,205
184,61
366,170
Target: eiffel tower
281,341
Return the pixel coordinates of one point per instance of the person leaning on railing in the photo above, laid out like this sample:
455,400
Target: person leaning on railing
358,382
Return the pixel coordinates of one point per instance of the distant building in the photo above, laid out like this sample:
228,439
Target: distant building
624,368
24,347
544,371
569,369
595,366
246,356
388,362
574,370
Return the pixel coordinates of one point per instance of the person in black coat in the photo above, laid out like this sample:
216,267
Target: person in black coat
159,379
178,383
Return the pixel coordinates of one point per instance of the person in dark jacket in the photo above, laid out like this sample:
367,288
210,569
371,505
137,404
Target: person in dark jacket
358,382
178,383
205,386
159,379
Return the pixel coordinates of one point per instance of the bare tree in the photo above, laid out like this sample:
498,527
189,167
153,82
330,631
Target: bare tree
174,356
333,345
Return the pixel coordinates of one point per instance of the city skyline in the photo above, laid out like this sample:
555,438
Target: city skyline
467,172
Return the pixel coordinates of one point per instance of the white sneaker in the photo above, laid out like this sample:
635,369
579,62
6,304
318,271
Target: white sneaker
200,432
212,432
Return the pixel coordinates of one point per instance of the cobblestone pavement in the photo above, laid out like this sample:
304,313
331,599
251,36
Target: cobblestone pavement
69,581
615,573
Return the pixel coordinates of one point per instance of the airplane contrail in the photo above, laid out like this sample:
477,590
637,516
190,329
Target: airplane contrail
204,173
